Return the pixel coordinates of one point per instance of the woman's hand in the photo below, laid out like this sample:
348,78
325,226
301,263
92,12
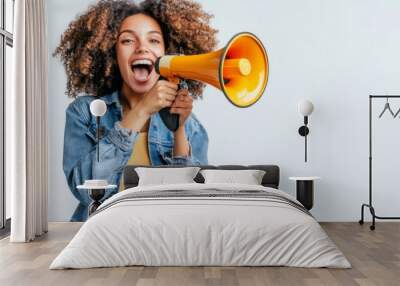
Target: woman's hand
161,95
182,105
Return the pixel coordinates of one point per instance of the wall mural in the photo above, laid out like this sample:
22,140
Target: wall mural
135,71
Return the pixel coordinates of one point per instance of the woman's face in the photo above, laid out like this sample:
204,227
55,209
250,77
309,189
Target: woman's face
139,44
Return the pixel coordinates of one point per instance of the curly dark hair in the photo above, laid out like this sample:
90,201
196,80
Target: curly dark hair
87,47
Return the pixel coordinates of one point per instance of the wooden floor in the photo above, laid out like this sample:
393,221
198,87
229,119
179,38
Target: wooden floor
374,255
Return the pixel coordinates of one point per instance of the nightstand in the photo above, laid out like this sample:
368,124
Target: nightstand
305,190
96,194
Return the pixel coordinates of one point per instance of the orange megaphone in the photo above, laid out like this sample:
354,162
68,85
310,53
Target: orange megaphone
240,69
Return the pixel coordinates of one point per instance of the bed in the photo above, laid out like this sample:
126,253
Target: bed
199,224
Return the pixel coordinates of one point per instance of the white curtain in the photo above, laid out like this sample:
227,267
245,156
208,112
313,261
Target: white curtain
26,123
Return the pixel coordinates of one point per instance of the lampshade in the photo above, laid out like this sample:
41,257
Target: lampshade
305,107
98,107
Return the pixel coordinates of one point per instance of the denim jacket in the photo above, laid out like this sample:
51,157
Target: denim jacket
115,146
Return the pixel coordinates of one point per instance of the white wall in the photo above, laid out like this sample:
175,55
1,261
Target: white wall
334,53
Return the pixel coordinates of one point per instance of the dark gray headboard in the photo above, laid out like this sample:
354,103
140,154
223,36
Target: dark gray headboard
270,179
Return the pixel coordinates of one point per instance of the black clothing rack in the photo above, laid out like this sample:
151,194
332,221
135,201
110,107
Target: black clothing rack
369,205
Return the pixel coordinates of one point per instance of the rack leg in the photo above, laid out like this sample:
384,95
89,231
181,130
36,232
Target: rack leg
361,221
372,210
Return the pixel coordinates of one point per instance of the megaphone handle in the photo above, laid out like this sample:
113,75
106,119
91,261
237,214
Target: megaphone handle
171,120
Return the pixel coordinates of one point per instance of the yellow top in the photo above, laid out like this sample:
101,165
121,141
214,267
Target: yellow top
139,156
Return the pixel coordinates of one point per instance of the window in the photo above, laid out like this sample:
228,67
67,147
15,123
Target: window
9,13
6,65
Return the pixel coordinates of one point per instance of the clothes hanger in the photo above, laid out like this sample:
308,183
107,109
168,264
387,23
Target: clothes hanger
397,113
387,107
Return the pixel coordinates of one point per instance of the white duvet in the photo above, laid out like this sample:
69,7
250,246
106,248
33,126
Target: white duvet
200,231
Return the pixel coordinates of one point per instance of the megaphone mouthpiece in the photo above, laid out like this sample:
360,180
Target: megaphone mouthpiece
236,67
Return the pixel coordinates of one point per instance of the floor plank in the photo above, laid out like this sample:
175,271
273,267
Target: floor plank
374,255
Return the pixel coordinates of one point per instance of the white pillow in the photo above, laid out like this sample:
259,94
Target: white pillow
248,177
162,176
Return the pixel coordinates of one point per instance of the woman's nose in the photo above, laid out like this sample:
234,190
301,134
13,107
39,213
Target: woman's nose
141,49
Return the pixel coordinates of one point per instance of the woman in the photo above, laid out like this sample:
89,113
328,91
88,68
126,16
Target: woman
109,53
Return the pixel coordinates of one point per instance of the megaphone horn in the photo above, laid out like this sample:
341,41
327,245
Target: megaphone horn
240,69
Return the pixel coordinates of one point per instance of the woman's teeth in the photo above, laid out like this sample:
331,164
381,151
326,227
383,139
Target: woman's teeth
142,62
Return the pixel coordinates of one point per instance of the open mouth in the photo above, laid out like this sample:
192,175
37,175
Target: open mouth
142,69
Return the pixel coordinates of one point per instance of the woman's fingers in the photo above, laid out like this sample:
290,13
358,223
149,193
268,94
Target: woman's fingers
180,98
182,111
182,107
183,100
182,104
179,111
168,84
183,92
167,96
165,87
166,103
168,89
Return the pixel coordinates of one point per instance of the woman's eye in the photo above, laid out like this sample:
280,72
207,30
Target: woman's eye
155,41
127,41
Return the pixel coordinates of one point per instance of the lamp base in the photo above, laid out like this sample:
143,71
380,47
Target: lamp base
303,130
96,195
